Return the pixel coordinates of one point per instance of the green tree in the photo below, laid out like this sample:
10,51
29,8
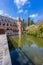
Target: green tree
29,21
32,22
23,24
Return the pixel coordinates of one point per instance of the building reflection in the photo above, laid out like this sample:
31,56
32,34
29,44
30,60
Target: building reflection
19,41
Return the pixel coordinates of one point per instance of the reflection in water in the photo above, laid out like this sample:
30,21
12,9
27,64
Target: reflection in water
19,41
32,50
31,47
34,45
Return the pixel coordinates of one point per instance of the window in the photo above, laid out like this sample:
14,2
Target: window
2,19
5,19
7,24
2,31
7,28
0,23
3,24
10,24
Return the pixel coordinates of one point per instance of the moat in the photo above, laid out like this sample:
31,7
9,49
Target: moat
31,47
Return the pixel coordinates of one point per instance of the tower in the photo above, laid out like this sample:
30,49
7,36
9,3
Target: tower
19,24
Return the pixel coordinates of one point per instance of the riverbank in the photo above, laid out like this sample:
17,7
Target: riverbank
36,35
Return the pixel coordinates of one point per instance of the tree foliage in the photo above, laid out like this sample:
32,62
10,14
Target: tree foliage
23,25
36,31
30,22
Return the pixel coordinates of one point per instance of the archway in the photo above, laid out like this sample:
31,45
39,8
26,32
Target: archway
2,31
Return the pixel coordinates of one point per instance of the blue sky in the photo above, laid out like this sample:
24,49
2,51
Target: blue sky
22,9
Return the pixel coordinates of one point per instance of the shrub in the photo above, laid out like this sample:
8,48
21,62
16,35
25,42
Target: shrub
36,31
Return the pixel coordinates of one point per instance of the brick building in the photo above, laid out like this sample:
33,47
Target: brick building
11,26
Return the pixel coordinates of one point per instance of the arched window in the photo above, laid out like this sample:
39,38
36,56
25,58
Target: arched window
2,31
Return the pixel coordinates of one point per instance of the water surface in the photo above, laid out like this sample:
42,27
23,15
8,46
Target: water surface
31,46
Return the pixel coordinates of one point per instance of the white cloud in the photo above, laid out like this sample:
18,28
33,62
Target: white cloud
20,3
16,18
33,15
6,14
1,12
20,11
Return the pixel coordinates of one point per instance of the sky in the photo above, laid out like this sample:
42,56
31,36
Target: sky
22,8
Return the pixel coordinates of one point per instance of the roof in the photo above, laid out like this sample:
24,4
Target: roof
7,19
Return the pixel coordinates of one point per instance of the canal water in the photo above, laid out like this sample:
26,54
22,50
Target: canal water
29,50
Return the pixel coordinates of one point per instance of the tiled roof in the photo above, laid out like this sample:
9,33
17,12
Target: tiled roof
7,19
